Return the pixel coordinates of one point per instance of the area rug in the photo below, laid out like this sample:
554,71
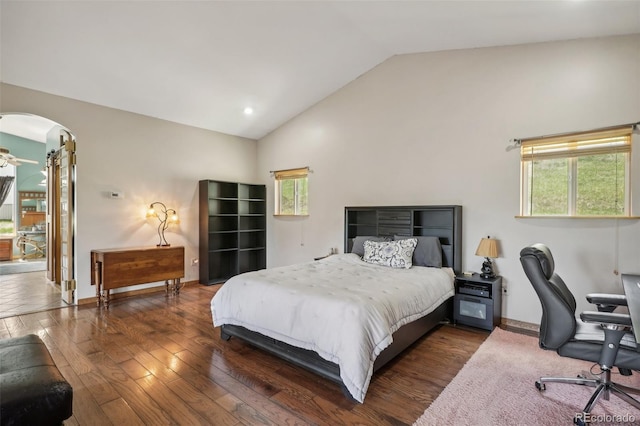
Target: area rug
497,387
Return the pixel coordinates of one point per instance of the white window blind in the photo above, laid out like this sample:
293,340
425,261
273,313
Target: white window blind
589,143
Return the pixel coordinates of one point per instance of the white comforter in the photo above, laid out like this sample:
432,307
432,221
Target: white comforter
341,307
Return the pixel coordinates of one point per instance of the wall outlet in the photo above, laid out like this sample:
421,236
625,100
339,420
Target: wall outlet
194,262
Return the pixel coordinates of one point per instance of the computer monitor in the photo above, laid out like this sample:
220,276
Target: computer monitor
631,284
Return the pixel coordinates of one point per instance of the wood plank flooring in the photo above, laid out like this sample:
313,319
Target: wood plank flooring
155,360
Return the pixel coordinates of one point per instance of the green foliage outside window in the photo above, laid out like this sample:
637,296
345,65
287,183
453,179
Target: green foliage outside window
601,185
7,227
599,191
549,187
293,197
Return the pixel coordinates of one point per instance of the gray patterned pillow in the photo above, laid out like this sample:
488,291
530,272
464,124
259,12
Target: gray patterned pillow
396,254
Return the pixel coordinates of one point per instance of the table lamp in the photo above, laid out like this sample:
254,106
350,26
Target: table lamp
488,248
165,216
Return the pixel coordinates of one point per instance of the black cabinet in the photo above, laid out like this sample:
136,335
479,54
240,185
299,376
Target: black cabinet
233,234
444,222
478,301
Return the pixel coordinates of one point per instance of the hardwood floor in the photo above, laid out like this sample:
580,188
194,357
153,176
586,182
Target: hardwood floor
153,360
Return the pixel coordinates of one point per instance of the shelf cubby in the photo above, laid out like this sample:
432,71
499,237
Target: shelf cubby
444,222
251,259
232,229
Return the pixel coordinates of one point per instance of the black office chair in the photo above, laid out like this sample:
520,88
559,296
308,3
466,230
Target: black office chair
603,337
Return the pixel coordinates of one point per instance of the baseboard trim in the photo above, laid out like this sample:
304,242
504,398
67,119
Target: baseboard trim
520,327
132,293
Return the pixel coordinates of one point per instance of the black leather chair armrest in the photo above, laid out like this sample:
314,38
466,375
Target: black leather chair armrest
607,302
606,318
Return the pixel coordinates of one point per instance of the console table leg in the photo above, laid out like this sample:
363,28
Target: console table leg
103,296
174,284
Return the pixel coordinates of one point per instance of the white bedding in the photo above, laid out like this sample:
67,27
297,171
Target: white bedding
341,307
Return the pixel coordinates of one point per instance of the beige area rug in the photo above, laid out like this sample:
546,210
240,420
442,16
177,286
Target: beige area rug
497,387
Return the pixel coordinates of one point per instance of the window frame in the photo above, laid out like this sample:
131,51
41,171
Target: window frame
573,146
12,197
296,175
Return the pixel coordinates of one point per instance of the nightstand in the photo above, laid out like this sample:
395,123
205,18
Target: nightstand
478,301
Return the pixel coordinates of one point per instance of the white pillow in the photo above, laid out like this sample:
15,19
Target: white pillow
396,254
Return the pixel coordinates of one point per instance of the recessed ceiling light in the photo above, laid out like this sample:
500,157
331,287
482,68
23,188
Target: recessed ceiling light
248,111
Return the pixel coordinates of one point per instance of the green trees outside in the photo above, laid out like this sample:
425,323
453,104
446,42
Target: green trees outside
599,191
294,196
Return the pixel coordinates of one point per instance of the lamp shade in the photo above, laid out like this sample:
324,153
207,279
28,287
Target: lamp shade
488,247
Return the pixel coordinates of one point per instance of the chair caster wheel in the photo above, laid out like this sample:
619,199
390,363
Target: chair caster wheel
540,386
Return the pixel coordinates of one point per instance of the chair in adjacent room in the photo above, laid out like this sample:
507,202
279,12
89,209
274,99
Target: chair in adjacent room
602,337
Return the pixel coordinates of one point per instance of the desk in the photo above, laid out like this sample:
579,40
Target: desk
631,284
115,268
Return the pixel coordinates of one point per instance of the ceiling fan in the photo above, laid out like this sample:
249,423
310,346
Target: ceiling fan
6,158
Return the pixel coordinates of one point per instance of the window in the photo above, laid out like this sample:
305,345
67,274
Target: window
291,190
577,174
7,201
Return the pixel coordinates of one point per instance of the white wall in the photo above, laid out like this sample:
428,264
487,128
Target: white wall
432,128
145,158
418,129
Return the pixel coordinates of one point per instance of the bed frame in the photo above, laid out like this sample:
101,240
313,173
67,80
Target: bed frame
444,222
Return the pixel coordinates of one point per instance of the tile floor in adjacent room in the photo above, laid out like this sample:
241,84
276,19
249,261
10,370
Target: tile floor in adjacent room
28,292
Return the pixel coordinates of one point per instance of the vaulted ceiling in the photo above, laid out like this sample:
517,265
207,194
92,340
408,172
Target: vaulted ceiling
201,63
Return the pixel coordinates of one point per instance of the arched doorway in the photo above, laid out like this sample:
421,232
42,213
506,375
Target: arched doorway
57,172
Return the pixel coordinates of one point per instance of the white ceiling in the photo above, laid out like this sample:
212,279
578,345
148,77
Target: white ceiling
201,63
26,126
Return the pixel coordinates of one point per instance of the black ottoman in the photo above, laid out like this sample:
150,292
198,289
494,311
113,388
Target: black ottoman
32,390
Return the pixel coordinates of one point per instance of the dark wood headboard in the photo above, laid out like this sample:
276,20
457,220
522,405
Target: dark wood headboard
444,222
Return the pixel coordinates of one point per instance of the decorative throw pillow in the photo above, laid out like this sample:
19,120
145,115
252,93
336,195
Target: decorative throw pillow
358,244
396,254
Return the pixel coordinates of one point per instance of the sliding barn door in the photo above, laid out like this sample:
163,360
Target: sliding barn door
61,217
53,255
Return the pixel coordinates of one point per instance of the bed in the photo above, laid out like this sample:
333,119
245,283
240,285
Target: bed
346,315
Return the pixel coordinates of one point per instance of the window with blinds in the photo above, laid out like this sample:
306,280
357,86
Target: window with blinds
292,192
577,174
